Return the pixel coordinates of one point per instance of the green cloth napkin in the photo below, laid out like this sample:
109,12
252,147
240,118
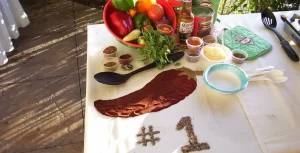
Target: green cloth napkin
241,38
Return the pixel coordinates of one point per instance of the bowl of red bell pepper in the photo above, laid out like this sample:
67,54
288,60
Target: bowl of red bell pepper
123,20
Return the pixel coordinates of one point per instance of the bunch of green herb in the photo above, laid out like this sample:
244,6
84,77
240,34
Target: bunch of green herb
157,47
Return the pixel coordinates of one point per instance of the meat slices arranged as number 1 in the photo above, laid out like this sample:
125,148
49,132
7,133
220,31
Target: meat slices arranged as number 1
165,90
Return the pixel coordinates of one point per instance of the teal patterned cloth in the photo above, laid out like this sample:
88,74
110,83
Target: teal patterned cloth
241,38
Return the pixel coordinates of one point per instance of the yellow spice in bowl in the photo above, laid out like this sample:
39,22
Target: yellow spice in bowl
214,53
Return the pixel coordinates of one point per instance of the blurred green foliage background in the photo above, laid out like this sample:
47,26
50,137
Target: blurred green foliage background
229,6
253,6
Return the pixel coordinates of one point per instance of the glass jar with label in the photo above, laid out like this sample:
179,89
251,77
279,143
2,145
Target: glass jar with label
185,21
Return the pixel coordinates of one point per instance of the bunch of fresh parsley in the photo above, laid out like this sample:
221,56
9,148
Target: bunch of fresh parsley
157,47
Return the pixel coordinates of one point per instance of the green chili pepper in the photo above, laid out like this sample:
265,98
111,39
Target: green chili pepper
140,20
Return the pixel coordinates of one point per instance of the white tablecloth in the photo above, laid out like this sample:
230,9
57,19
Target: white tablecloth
262,118
12,16
272,109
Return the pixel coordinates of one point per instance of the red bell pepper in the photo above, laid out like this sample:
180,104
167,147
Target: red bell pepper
121,23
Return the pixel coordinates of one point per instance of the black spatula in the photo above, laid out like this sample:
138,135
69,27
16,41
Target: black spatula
269,20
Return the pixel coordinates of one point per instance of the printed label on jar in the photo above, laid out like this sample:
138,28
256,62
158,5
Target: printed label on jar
185,31
204,28
186,27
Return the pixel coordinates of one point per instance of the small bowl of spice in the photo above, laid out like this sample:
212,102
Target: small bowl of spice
192,57
209,39
110,51
164,29
110,64
194,44
125,58
239,56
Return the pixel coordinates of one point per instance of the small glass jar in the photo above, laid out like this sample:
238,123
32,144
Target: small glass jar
209,39
110,64
194,44
125,58
192,57
164,29
239,56
110,51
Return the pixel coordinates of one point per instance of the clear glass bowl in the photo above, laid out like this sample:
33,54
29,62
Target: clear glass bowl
236,56
209,39
161,28
110,64
110,51
192,57
125,58
192,48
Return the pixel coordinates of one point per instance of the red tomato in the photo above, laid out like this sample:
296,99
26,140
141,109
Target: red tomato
155,12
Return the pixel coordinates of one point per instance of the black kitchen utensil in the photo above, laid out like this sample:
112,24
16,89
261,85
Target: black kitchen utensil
269,20
290,29
112,78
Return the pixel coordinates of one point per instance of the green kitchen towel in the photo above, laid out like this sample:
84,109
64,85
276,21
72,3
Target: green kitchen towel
241,38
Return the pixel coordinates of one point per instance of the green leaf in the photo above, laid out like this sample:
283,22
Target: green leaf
158,46
177,64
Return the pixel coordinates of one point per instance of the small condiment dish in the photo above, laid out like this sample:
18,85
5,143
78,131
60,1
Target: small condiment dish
110,51
164,29
110,64
194,44
213,53
125,58
192,57
209,39
239,56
